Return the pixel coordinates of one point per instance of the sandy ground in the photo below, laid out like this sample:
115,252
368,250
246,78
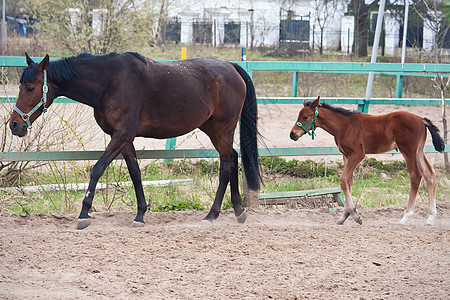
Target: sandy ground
276,254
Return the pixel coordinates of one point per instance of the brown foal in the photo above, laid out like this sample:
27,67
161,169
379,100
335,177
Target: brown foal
357,134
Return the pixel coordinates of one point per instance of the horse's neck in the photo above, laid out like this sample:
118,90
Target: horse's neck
332,122
81,90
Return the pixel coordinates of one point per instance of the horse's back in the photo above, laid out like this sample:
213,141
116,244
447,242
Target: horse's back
192,90
387,132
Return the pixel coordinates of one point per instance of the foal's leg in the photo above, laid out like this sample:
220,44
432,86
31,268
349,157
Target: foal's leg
350,163
430,178
129,154
115,146
415,176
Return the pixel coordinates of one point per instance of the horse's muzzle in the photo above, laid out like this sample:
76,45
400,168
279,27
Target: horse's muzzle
294,136
18,129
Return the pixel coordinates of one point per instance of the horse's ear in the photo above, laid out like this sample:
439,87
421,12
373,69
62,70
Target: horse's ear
44,63
29,60
305,103
315,103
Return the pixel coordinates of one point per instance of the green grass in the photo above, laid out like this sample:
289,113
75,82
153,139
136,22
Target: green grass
371,188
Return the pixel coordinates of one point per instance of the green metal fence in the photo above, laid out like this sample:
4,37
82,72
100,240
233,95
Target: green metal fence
392,69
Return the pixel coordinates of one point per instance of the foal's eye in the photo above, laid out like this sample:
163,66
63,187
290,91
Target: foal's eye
30,89
305,118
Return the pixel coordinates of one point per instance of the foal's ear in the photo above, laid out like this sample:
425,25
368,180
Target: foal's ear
44,63
29,60
316,102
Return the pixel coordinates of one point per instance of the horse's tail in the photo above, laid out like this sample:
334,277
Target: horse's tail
249,133
438,141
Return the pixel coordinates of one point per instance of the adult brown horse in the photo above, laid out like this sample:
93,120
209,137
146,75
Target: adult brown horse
357,134
134,96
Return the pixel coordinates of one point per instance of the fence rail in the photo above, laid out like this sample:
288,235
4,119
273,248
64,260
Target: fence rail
392,69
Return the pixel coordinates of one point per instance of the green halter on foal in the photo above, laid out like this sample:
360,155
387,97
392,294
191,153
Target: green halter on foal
26,117
313,123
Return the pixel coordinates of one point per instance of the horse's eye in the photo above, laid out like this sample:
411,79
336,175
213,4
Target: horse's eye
30,89
305,118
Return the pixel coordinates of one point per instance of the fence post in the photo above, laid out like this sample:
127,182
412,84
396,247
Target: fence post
399,86
171,143
294,84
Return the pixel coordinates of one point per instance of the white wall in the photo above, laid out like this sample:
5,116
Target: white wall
265,17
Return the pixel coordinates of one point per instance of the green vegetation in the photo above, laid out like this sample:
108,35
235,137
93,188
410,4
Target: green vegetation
376,184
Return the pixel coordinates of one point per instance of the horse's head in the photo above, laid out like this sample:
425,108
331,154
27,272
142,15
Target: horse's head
32,99
306,121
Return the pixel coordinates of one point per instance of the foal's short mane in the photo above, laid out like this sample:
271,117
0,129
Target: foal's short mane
64,69
340,110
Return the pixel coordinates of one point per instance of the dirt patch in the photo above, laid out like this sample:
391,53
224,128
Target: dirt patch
279,254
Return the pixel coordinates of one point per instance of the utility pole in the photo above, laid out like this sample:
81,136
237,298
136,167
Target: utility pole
365,106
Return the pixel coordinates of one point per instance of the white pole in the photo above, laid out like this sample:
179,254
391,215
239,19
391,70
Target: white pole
405,29
4,44
373,59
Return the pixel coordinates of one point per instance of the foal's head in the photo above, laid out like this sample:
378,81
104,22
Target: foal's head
32,99
306,121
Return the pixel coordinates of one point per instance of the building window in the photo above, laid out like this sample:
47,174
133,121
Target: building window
232,32
173,31
202,33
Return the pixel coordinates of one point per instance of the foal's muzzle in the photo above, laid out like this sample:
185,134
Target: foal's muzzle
18,129
293,136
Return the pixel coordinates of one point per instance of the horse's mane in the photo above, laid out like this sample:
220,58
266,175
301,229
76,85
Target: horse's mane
340,110
64,69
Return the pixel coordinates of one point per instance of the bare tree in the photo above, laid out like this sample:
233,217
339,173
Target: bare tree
434,17
361,14
162,22
324,11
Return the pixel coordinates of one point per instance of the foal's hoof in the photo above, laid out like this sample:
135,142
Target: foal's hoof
83,223
206,222
430,220
242,217
136,224
358,220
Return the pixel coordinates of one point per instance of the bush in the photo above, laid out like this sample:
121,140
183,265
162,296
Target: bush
302,169
178,205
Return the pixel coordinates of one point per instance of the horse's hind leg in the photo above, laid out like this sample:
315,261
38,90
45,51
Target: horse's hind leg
228,172
129,154
224,178
429,175
236,199
350,162
415,177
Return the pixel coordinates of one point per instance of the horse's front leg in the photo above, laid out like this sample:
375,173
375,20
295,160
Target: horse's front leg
129,153
350,162
115,146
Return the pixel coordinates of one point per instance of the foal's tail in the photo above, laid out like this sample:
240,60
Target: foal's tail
249,133
438,141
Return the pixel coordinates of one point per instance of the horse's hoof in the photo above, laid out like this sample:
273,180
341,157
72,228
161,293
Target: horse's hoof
206,222
83,223
359,221
340,222
242,217
136,224
430,220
